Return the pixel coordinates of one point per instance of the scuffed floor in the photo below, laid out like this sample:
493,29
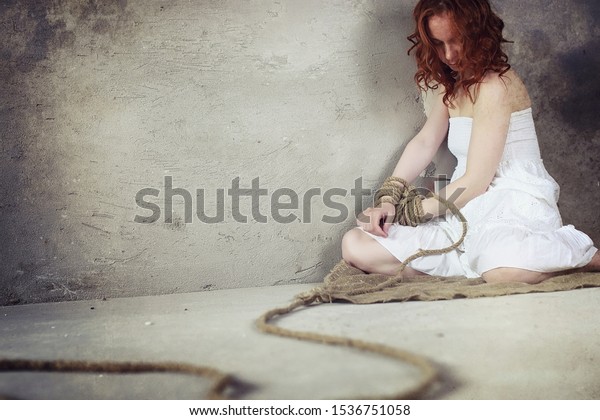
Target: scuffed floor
537,346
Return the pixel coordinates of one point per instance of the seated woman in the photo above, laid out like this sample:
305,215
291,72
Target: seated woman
515,232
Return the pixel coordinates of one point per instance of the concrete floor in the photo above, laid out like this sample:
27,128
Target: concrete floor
538,346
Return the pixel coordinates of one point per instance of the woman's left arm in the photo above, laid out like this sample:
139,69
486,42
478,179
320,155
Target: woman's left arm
491,118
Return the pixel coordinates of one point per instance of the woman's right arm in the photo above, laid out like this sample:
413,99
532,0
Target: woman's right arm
417,155
419,152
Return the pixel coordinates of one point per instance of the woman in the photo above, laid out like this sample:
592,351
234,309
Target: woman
515,232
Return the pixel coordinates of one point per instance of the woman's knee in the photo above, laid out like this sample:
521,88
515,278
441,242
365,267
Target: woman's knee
351,246
514,275
363,252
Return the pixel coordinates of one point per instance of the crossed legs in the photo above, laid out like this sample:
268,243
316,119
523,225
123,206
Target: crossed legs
363,252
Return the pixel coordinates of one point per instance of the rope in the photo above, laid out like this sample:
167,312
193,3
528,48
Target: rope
428,371
407,194
397,191
406,199
221,382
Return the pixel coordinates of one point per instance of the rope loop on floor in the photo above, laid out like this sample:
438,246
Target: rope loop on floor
399,190
222,382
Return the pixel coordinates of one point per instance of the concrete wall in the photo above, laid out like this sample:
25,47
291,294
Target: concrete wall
103,99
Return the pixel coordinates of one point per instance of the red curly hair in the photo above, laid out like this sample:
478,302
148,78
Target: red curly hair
480,31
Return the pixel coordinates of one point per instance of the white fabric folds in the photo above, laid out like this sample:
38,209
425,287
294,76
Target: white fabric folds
515,223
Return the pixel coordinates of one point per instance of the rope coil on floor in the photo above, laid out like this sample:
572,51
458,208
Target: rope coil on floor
428,371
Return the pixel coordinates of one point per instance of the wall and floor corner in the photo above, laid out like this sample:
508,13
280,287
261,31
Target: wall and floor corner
103,99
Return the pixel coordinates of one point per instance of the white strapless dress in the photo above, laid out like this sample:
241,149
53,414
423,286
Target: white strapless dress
515,223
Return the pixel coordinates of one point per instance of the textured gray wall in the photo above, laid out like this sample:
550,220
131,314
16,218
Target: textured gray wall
104,98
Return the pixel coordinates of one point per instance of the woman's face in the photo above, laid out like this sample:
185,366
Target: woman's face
446,39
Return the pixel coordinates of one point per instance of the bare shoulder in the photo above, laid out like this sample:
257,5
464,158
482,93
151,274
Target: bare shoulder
507,89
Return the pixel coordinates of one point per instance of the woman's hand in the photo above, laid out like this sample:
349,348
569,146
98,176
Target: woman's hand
377,220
